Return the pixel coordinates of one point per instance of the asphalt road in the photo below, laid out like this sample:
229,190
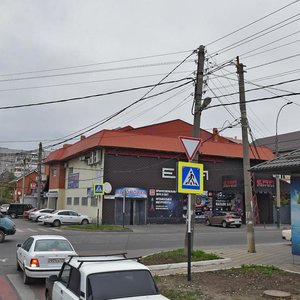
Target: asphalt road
141,241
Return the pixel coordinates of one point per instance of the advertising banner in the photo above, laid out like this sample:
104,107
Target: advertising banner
165,204
295,214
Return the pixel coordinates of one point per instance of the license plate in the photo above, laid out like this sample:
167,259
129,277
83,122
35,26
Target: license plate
55,260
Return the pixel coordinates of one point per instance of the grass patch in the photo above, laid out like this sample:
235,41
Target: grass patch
267,270
176,256
93,227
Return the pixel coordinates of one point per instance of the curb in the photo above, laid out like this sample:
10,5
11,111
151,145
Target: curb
194,264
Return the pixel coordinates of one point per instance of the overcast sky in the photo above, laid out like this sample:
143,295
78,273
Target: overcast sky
57,50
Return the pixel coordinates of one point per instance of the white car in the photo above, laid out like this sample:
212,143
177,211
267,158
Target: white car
102,277
35,215
42,255
66,217
4,208
286,234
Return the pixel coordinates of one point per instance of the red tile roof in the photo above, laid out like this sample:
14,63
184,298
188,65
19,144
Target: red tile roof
159,137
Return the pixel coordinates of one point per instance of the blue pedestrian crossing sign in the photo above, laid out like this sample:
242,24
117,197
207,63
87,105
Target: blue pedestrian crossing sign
98,189
190,178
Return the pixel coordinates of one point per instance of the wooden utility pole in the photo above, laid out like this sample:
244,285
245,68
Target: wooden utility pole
246,161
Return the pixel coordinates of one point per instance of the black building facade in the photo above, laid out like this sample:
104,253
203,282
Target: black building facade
144,189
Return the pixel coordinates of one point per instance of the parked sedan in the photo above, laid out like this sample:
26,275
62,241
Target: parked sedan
42,255
26,213
34,216
224,219
60,217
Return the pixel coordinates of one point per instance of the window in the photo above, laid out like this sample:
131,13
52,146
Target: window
93,201
84,201
76,200
71,170
74,281
69,200
65,274
120,284
27,244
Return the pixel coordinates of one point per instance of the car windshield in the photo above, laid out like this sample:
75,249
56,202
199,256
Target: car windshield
52,245
112,285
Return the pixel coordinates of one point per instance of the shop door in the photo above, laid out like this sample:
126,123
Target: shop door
265,208
134,212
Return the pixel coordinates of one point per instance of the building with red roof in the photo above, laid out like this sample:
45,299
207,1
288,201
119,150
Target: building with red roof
138,169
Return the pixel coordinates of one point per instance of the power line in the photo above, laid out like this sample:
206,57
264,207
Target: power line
95,64
256,35
93,71
90,96
254,100
88,82
252,23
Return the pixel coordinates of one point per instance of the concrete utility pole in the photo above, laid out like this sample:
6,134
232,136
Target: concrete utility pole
39,179
246,161
278,204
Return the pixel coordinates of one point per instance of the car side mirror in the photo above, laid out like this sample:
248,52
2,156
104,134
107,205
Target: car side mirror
19,245
53,278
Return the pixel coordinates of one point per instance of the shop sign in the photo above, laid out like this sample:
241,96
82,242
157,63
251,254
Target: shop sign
131,193
262,183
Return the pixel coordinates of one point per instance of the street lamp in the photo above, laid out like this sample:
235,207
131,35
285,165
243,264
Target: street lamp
277,176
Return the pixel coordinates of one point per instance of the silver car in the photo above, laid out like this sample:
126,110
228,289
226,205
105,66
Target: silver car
224,219
35,215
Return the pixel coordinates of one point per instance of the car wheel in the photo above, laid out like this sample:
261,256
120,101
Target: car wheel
37,219
26,279
2,236
84,222
208,223
237,226
224,224
56,223
13,215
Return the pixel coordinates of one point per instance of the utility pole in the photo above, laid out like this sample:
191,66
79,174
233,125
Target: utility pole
23,179
196,129
246,161
39,179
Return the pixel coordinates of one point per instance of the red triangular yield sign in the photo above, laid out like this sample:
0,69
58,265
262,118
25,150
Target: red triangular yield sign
190,145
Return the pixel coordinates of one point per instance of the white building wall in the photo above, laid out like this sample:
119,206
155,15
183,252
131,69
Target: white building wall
88,175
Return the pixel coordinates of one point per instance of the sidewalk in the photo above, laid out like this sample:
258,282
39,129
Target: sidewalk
278,255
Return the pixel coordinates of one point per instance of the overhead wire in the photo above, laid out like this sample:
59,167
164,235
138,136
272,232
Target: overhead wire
90,96
252,23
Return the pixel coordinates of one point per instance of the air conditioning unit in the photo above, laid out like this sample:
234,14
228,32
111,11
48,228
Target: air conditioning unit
97,156
90,161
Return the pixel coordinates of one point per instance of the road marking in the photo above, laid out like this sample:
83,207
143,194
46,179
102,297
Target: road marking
43,229
3,259
32,230
58,230
20,230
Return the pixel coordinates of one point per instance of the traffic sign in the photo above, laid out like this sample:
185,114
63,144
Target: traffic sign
190,178
98,189
190,145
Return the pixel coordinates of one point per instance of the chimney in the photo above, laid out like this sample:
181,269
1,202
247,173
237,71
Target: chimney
215,135
82,137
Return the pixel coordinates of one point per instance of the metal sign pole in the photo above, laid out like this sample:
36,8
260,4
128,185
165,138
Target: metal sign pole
123,210
189,233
